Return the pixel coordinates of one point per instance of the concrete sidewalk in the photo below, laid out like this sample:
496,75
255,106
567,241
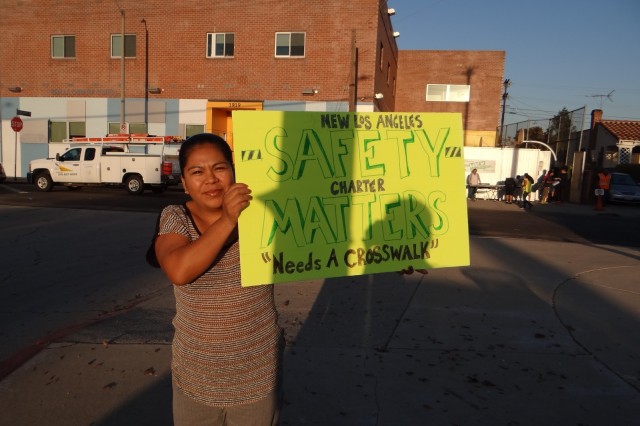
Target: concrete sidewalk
531,333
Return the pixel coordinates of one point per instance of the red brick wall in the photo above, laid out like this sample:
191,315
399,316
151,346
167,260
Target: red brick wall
177,40
177,63
482,70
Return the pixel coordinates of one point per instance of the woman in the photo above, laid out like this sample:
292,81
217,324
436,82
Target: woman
227,345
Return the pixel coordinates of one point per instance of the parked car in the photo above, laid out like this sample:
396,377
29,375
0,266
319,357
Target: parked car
3,175
624,189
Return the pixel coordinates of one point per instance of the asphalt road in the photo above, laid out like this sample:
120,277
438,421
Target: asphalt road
486,218
615,225
93,198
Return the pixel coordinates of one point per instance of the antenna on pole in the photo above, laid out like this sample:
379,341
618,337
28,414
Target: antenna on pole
608,96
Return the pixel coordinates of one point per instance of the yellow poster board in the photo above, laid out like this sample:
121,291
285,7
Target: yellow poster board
342,194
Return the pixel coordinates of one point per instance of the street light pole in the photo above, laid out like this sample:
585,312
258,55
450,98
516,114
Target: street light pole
146,75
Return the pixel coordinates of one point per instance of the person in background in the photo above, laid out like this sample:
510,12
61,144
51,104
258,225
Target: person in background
517,192
548,187
473,180
509,188
538,186
227,348
563,187
604,183
527,182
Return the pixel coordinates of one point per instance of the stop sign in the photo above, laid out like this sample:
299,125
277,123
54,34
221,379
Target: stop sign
16,124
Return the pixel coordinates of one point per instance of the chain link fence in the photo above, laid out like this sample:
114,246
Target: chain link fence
562,132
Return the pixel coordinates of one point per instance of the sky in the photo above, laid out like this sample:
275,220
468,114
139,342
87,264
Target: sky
559,53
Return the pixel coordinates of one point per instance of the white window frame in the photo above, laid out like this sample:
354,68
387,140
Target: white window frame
448,93
289,35
64,50
212,43
135,45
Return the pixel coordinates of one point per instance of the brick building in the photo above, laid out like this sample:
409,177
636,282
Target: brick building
188,65
468,82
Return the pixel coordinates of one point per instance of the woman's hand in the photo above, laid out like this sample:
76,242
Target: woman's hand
236,199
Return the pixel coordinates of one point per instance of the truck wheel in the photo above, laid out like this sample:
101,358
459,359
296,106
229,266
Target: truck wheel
134,184
44,182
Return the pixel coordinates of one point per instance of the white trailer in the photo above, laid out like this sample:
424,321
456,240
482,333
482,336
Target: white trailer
496,164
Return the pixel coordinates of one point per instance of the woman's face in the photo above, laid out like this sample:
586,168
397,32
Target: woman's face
207,176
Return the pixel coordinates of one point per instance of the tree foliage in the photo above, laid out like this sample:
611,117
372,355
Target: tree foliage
560,127
535,133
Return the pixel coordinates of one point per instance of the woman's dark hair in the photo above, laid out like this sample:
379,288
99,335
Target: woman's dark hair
202,139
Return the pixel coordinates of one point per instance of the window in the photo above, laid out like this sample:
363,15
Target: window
138,128
89,154
61,130
193,129
290,44
114,128
77,129
448,92
220,45
134,128
381,56
129,45
63,46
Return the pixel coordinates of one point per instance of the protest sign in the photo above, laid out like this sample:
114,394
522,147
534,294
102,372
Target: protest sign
341,194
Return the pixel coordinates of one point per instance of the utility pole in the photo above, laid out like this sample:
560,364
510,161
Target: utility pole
146,75
122,79
353,74
506,83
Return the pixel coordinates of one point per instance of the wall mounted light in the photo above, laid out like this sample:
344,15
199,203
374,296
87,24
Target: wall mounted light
156,90
378,96
16,89
309,91
396,34
391,11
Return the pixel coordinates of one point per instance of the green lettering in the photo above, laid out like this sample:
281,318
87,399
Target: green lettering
310,149
440,222
367,141
415,209
272,146
433,149
287,220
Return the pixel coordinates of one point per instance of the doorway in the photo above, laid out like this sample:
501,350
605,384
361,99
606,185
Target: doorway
219,117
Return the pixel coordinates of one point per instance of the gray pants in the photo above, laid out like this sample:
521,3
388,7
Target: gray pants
187,412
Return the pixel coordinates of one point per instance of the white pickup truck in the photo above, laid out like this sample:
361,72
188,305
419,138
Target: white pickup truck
99,164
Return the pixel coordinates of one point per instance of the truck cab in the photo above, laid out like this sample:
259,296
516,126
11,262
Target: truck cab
81,164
